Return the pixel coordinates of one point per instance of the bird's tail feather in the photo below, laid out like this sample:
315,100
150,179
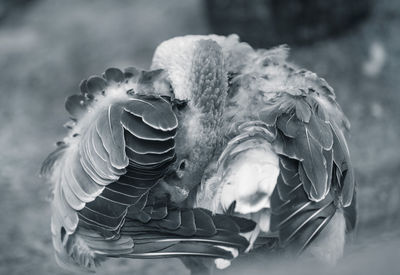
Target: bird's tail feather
168,249
160,246
183,232
212,237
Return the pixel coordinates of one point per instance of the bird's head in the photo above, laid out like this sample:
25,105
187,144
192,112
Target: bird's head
195,69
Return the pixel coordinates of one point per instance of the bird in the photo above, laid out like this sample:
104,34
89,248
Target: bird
219,149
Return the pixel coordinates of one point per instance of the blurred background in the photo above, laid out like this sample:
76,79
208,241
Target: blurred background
48,46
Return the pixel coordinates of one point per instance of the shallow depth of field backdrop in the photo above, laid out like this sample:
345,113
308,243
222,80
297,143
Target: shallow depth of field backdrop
47,47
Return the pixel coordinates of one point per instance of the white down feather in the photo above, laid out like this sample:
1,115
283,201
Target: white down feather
250,180
246,174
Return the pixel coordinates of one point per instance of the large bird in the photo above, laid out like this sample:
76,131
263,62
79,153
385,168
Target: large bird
220,149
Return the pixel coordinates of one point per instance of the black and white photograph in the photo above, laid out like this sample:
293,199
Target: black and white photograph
199,137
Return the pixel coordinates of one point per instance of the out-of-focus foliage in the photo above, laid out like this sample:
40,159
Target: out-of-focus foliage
9,8
267,22
46,50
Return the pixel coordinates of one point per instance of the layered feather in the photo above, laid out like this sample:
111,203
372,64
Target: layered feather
96,176
121,144
307,131
316,174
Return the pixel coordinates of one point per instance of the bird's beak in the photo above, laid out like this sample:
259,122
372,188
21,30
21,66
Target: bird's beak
177,191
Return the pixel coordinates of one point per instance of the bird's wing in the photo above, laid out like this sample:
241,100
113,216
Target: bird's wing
308,128
316,176
120,146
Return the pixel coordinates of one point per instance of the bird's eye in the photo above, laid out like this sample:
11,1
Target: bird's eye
63,233
182,165
180,104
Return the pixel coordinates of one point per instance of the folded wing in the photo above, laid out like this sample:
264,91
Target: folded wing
104,173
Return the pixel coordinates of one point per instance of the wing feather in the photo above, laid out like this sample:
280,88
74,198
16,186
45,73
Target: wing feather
104,182
143,146
112,135
151,112
134,124
316,173
82,181
150,159
120,145
71,198
87,169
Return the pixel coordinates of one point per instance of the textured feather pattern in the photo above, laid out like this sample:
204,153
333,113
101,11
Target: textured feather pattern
297,219
162,223
307,128
105,205
117,211
96,176
317,143
316,173
101,181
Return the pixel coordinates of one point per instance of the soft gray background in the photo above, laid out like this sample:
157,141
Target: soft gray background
46,49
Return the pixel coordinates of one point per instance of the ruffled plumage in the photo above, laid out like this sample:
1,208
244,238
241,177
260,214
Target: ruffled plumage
272,135
306,129
120,145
